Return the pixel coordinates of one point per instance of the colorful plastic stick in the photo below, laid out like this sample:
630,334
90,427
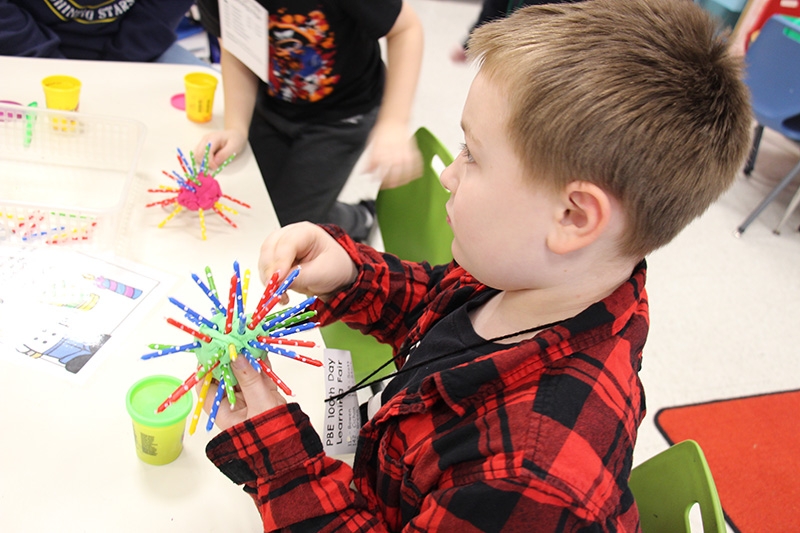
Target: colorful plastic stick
171,349
232,352
286,353
190,382
189,330
239,295
201,398
226,208
234,200
218,344
285,315
231,305
276,296
193,313
221,214
205,166
182,182
168,201
293,321
188,170
294,329
199,190
215,407
29,125
224,164
211,284
245,287
175,212
286,342
268,292
274,377
211,295
228,379
202,223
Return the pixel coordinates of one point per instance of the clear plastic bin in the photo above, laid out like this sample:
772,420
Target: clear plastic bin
64,176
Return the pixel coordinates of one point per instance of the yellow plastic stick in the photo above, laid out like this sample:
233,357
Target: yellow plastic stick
245,285
201,398
226,208
175,212
202,223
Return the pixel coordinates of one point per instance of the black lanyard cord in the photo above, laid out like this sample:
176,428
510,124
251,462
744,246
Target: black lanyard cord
364,383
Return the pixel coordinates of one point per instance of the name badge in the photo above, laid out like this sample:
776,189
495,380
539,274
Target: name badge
342,418
245,33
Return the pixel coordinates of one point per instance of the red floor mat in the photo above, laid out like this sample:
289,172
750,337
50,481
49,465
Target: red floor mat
752,446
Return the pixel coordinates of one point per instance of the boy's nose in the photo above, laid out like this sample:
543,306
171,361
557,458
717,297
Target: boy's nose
446,178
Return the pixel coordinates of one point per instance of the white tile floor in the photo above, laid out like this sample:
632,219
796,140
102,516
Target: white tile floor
724,310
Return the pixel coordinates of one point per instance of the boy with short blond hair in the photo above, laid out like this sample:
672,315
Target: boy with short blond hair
517,399
631,101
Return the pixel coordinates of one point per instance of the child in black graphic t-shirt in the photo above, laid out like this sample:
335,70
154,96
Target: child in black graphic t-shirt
327,95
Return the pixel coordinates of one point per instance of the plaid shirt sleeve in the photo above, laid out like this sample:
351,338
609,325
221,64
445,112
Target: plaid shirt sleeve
388,294
278,458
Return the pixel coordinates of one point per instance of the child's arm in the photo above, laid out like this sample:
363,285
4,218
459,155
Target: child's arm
377,292
393,154
146,30
22,36
241,87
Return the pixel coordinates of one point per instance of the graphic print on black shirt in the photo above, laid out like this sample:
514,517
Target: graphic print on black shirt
302,51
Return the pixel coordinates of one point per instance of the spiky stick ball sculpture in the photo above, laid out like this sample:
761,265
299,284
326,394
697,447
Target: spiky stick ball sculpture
230,333
198,190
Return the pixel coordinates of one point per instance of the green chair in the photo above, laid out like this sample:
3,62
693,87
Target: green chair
667,485
413,224
412,218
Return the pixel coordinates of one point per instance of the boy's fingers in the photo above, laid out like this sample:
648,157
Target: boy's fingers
255,389
284,249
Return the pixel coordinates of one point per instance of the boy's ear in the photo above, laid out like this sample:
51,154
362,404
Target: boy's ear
583,213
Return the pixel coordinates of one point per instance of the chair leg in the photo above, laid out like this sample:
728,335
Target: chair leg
789,210
751,160
766,201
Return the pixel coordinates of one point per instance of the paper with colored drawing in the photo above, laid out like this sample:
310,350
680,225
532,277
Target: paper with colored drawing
59,308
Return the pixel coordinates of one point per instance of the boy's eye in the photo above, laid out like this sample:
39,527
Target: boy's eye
466,152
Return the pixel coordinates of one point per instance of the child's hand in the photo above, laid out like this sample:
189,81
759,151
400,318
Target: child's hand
394,157
326,267
223,145
255,394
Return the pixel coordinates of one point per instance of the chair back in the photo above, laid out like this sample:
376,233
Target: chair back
667,485
773,76
413,225
412,218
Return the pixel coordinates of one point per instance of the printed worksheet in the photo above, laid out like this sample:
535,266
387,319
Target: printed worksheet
59,307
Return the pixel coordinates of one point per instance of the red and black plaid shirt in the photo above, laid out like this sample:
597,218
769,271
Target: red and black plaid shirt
536,437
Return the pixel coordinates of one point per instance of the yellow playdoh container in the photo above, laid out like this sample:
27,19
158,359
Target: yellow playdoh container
158,436
62,92
200,89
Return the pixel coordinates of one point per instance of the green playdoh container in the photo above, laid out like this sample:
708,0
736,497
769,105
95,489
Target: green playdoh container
158,436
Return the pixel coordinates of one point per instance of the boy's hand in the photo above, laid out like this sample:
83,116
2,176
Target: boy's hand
393,156
256,393
326,267
223,145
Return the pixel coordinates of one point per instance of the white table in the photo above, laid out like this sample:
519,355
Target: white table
67,458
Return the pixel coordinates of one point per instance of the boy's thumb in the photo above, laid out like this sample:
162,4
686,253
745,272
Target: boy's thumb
250,381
